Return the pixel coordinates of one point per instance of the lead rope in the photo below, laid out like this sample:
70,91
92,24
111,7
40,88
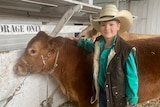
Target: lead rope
18,88
14,93
49,100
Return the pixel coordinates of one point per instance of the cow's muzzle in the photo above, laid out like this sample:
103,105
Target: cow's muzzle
22,67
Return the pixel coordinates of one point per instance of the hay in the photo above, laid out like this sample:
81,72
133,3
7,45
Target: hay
151,103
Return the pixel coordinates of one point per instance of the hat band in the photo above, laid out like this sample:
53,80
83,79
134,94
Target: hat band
106,16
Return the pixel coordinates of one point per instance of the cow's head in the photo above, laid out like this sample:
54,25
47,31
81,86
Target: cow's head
39,55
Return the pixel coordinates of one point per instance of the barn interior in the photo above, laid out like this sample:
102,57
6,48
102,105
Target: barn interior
20,20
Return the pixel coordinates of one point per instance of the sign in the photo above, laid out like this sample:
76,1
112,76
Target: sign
19,28
10,29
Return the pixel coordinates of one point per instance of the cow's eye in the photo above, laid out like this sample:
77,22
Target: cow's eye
32,51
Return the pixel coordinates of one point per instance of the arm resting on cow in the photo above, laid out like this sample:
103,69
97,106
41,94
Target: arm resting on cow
131,79
86,44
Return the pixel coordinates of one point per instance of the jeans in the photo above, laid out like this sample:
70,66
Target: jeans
102,98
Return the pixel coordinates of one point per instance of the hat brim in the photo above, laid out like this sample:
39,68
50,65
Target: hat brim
124,16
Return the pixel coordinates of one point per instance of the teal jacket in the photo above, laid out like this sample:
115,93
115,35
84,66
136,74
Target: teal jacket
131,69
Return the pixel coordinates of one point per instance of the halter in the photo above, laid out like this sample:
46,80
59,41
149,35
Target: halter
44,59
55,63
49,99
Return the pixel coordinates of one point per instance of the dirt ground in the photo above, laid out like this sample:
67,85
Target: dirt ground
152,103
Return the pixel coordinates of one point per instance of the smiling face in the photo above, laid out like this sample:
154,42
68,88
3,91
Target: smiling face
109,28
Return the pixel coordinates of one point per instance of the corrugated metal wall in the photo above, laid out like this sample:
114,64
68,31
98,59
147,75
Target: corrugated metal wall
147,12
148,21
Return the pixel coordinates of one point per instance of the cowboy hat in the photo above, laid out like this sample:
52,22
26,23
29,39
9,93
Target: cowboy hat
110,12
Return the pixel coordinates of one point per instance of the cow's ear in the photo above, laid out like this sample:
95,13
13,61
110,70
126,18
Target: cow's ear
55,43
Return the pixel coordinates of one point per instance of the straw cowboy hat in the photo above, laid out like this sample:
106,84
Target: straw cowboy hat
110,12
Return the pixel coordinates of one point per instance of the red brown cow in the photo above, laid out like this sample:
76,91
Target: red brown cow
74,70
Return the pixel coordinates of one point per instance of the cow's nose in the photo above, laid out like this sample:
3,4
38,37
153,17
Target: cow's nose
20,70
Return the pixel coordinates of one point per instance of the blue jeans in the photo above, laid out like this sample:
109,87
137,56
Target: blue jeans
102,98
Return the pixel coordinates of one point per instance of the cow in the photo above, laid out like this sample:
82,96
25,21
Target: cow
72,66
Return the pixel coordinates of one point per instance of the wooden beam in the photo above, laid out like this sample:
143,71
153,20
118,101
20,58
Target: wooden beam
69,13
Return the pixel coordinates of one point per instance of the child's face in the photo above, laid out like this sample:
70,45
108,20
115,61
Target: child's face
109,28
